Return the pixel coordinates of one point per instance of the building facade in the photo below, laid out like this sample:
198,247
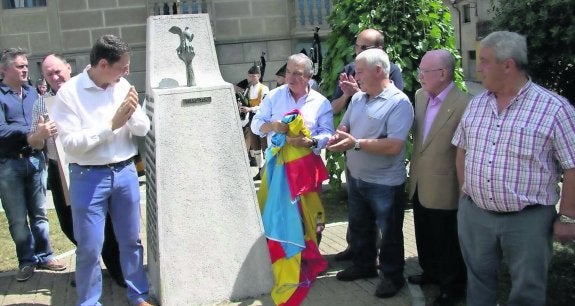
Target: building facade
471,20
243,29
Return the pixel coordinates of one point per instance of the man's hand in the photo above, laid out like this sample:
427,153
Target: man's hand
348,84
46,128
341,141
245,109
279,127
126,109
563,232
300,141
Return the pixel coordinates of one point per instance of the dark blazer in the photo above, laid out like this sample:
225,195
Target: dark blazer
432,167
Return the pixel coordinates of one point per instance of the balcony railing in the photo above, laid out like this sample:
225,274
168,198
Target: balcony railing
15,4
158,7
311,13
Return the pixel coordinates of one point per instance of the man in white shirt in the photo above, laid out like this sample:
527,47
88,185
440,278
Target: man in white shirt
296,94
56,71
97,115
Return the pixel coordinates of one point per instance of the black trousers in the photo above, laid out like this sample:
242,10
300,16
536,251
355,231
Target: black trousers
110,250
438,247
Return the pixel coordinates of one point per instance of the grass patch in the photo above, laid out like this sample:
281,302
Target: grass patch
8,259
335,204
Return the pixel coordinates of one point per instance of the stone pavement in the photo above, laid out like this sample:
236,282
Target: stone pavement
53,288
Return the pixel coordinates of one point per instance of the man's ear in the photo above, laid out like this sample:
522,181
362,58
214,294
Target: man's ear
103,63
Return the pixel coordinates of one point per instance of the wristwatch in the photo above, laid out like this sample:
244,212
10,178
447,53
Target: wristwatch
314,143
566,219
356,146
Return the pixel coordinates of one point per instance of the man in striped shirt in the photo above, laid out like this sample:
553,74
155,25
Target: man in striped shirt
514,141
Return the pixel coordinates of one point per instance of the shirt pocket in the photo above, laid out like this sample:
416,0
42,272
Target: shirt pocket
524,141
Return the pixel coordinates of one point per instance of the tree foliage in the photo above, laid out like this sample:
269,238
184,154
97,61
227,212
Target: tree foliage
411,28
550,30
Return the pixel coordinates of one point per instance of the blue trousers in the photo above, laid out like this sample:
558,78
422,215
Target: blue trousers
94,192
523,239
371,204
23,193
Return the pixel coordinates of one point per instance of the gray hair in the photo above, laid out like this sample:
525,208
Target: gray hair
302,58
9,55
508,45
447,61
374,58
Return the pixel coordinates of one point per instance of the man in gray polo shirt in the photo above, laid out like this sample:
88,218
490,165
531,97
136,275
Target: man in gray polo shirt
373,131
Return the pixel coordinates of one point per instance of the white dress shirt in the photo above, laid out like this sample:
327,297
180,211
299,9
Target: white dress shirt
83,115
315,110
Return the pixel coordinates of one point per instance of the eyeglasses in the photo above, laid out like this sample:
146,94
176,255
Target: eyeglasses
426,71
364,47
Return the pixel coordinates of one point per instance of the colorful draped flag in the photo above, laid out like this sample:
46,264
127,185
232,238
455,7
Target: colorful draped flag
290,205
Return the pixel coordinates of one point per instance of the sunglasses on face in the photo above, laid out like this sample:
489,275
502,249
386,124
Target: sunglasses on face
364,47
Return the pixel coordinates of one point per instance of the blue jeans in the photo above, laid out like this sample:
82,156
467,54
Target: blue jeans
371,204
523,239
95,192
23,192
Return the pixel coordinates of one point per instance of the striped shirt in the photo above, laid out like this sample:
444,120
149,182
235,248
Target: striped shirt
515,158
38,110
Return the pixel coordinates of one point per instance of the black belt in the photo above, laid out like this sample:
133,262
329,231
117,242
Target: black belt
22,154
526,207
117,165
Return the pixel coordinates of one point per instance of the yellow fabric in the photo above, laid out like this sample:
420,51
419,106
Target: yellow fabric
286,273
258,99
295,128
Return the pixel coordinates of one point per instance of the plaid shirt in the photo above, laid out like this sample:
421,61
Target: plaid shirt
515,158
38,110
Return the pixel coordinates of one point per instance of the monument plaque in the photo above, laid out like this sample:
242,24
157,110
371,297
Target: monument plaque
206,241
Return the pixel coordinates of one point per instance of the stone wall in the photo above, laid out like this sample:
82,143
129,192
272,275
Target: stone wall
243,29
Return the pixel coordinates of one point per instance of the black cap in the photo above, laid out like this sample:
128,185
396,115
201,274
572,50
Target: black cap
255,69
282,71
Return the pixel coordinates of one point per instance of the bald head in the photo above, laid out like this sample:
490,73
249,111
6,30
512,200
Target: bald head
56,71
368,39
436,71
444,58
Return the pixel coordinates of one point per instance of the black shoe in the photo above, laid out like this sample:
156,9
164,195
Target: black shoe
388,288
121,282
119,279
446,299
257,177
353,272
344,255
253,162
418,279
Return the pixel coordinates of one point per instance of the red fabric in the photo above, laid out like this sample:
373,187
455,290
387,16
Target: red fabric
276,250
312,264
305,174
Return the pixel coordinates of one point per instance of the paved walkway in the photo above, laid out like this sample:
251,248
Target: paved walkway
53,288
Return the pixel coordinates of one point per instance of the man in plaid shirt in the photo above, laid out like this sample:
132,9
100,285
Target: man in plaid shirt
514,141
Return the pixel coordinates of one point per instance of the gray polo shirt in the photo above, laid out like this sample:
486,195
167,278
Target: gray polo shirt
389,115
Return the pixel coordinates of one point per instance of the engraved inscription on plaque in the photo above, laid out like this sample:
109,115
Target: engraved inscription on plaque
186,102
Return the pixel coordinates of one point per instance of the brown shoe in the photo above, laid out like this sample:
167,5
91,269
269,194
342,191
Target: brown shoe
52,265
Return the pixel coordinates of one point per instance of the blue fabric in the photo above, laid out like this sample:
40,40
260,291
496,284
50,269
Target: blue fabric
371,203
23,192
279,140
281,218
94,192
15,118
